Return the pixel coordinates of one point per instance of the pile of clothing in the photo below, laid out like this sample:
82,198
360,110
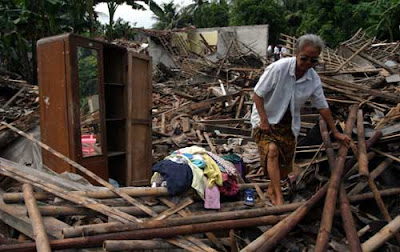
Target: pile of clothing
194,167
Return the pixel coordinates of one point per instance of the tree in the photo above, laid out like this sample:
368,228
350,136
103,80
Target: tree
22,23
380,18
168,18
123,29
255,12
214,14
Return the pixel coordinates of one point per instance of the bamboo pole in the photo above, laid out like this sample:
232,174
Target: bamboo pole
106,194
59,192
381,205
93,241
94,229
367,196
39,230
82,169
373,175
78,210
382,236
362,147
370,142
355,169
186,213
232,238
348,221
330,153
269,240
334,182
123,245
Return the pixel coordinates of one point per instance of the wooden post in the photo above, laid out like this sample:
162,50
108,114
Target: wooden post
348,221
382,236
362,147
39,230
334,182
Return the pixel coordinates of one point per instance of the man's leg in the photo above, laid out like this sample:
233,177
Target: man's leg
274,173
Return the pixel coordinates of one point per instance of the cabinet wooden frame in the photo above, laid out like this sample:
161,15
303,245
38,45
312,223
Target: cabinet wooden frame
124,79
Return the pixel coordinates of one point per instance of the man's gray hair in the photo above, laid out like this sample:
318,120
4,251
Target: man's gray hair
311,40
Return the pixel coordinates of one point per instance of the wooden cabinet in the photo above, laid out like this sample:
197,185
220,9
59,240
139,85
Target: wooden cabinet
95,107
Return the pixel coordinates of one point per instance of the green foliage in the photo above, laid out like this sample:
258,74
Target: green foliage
24,22
168,18
122,29
214,14
88,76
255,12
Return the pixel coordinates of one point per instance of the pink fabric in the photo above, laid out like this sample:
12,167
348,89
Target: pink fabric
212,198
230,186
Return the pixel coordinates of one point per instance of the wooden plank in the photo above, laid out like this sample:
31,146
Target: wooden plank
222,129
139,144
53,112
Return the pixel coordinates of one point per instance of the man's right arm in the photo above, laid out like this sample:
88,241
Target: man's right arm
264,124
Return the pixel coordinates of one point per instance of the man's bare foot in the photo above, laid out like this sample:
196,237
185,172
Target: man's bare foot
279,201
271,196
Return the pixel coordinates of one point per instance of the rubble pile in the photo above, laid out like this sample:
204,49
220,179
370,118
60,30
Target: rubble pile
19,104
207,103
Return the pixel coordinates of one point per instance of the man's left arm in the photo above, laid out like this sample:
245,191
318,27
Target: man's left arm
318,100
326,114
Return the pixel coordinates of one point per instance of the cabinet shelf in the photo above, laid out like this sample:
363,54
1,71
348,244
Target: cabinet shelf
120,119
116,153
114,84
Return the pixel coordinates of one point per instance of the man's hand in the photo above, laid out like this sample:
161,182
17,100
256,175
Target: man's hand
342,138
265,126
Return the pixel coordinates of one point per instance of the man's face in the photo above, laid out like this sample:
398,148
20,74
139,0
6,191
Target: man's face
307,58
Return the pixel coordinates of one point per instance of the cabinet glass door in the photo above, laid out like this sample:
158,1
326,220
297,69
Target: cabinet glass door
89,101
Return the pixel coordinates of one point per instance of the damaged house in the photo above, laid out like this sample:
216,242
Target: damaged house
201,91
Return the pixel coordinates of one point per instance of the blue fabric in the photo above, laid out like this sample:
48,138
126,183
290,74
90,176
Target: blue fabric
178,176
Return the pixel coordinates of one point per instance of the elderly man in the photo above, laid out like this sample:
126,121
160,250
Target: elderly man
278,97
